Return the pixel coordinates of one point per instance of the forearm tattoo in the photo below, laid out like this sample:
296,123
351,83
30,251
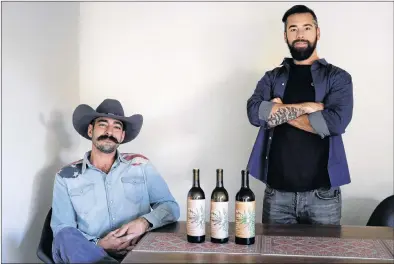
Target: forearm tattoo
283,115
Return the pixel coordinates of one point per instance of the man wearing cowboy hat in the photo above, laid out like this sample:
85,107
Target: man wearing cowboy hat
104,202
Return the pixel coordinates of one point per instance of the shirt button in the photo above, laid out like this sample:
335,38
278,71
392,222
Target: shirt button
283,84
270,137
266,157
113,218
111,202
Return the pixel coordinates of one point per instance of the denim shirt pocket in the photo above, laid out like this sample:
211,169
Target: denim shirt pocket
133,188
83,198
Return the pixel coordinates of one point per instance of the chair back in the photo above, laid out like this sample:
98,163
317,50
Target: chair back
383,215
44,250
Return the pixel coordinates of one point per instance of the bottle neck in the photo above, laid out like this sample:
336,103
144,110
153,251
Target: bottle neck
196,180
245,180
219,178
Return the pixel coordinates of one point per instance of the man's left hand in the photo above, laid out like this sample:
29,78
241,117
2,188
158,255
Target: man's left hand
127,246
136,228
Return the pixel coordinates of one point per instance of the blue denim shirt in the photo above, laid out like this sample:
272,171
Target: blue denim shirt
333,88
97,203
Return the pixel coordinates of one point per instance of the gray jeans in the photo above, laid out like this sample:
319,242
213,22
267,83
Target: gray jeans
321,206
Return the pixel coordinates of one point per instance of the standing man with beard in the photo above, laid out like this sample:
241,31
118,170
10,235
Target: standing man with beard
302,108
103,203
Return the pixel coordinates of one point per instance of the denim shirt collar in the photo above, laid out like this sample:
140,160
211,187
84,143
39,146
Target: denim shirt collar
86,162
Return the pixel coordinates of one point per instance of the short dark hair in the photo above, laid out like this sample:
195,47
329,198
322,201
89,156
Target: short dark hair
299,9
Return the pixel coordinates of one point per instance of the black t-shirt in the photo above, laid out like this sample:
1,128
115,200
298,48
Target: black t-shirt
298,159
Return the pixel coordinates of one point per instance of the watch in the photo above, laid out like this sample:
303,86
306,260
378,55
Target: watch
95,241
149,224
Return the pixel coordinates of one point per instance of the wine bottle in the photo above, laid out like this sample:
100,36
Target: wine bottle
219,211
195,226
245,207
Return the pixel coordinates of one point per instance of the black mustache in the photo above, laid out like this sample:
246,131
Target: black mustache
104,137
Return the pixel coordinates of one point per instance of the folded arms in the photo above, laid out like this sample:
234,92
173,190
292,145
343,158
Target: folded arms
329,119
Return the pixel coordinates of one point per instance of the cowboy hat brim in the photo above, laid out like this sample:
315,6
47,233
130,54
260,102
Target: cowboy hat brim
84,115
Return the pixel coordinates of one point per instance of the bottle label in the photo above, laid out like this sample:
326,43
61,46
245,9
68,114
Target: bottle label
195,217
219,219
245,219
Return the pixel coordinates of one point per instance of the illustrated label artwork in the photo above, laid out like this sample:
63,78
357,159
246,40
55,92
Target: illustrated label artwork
245,219
219,219
195,217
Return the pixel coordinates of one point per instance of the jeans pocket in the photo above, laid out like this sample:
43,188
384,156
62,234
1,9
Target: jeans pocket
328,193
325,206
269,192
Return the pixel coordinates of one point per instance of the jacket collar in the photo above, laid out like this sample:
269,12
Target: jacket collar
286,62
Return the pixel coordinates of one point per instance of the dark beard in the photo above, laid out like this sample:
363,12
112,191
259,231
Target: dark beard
303,53
105,148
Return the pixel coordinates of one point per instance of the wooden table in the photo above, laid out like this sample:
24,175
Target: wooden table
271,230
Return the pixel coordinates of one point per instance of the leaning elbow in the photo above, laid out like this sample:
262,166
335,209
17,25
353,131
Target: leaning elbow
177,214
169,213
175,211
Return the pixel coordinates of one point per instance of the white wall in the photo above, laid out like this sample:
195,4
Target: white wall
40,89
190,67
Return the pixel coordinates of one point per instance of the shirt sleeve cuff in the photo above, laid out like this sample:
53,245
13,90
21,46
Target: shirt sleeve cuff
154,222
318,123
265,110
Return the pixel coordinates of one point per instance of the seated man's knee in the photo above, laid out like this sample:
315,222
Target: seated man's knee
67,234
